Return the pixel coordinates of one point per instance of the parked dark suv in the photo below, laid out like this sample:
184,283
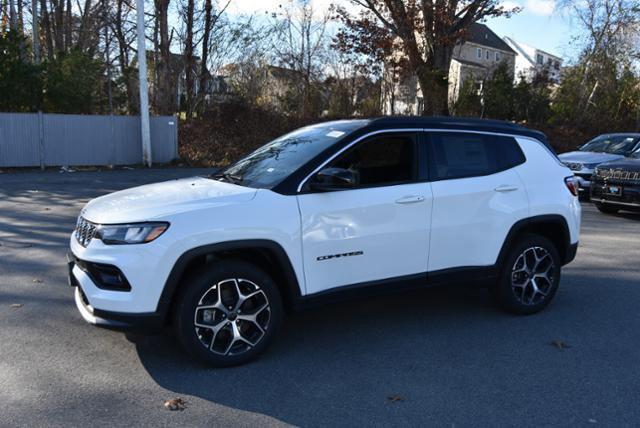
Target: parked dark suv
616,185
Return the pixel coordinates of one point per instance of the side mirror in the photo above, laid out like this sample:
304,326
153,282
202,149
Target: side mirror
330,179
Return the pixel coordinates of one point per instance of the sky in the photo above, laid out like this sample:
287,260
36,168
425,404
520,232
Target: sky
539,24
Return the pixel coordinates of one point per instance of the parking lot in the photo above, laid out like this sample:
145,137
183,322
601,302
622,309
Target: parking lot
443,357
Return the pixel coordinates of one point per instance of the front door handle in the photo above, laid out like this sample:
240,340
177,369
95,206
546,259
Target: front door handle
506,188
410,200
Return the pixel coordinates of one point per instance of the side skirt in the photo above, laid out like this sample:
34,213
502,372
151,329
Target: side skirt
473,275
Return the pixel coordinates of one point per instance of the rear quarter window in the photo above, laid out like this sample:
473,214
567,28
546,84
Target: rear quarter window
460,155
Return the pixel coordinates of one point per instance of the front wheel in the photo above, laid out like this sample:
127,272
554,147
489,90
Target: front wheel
228,313
530,276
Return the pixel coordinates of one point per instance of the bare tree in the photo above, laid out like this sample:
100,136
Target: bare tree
423,31
165,96
300,42
610,32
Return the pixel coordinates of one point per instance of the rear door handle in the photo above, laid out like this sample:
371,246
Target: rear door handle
410,200
506,188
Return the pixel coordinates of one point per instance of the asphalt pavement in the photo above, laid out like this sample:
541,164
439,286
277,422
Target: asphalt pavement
435,357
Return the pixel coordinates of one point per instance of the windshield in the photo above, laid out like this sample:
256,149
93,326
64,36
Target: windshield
272,163
617,144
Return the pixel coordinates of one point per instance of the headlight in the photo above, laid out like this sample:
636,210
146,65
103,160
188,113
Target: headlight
137,233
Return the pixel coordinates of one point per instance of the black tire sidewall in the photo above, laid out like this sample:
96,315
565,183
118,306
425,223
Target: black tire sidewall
503,291
606,210
195,287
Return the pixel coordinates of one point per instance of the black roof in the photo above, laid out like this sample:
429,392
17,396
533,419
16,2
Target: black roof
460,123
351,129
483,35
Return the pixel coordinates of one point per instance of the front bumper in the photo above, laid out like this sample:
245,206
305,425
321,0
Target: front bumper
81,280
629,198
141,322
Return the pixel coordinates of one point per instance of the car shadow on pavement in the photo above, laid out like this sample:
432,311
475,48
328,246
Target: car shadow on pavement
357,352
431,349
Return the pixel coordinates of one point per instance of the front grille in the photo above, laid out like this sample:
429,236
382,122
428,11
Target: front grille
85,231
618,175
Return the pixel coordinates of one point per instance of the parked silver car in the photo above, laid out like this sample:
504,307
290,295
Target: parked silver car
604,148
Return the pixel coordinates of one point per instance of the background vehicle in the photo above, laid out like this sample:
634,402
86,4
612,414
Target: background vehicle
603,148
616,185
329,211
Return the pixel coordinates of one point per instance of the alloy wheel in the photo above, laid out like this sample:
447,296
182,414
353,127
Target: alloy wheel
533,275
232,316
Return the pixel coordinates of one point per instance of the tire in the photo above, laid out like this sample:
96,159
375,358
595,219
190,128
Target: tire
530,276
235,328
607,209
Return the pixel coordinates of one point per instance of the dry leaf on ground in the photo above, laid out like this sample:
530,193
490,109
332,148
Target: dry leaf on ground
175,404
560,344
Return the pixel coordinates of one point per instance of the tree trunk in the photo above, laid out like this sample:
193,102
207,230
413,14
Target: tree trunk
205,55
189,65
58,24
46,28
433,77
123,59
166,101
20,17
83,37
68,29
13,19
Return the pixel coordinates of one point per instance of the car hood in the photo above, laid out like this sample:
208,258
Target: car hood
625,164
588,157
156,201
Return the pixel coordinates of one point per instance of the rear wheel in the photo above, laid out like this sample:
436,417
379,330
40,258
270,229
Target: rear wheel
607,209
530,276
228,313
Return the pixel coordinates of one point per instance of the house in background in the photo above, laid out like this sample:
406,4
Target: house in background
532,62
476,58
267,84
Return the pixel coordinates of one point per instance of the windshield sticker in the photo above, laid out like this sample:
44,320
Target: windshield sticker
335,134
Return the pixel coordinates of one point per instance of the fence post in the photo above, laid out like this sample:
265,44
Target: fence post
41,142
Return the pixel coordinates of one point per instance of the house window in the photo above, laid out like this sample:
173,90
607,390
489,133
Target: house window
479,53
488,53
556,65
540,59
497,56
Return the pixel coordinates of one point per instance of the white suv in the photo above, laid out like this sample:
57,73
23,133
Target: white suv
331,210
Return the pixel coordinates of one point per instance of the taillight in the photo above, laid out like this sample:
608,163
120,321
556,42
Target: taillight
572,185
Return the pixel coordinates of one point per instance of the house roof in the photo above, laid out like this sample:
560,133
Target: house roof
469,63
283,73
480,34
519,47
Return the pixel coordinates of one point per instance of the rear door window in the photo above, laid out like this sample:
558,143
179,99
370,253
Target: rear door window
461,154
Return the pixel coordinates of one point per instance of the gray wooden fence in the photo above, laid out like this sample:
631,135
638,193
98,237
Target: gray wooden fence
37,139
